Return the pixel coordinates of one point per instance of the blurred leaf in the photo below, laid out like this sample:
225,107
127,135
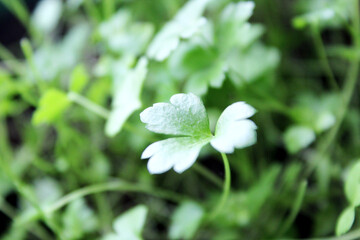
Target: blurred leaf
129,225
352,185
127,97
78,220
345,221
47,15
230,23
186,220
51,106
298,137
47,191
322,13
244,65
79,78
124,36
54,59
187,22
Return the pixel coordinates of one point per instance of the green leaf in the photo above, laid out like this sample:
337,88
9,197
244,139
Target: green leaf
187,21
298,137
126,98
79,78
352,185
185,116
47,15
320,13
78,220
129,225
231,21
186,220
345,221
233,130
51,106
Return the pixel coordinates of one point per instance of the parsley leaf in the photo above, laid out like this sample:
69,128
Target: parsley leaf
185,117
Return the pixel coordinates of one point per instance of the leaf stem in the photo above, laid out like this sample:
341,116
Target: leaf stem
86,103
346,94
354,235
226,188
322,54
295,208
104,113
98,188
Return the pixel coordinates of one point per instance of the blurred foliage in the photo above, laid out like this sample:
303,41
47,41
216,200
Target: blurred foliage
71,139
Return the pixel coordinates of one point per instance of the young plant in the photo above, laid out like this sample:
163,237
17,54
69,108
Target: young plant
185,117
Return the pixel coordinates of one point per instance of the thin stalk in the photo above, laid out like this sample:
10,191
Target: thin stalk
120,186
226,188
324,60
104,113
105,212
24,191
295,208
86,103
354,235
347,92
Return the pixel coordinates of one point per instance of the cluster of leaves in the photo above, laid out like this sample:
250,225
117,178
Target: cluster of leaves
79,90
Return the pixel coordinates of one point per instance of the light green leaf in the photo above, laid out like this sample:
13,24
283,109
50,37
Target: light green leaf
51,106
352,185
298,137
233,130
186,220
231,21
78,220
185,116
79,78
126,98
125,36
214,76
47,15
345,221
129,225
187,22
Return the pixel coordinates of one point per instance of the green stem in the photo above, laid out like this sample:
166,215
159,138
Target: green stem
295,208
98,188
26,193
322,54
226,188
86,103
208,174
354,235
347,92
104,113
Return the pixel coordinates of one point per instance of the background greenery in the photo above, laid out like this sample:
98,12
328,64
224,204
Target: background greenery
64,64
